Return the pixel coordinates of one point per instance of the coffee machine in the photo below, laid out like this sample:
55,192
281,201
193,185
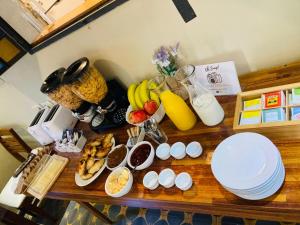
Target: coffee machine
111,111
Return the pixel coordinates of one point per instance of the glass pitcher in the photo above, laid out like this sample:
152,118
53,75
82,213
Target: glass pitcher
203,101
176,108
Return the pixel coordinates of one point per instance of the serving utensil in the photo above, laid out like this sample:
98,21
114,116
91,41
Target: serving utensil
154,131
133,134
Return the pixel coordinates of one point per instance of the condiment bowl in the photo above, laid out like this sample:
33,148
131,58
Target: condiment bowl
126,188
166,178
194,149
147,162
123,162
178,150
163,151
183,181
150,180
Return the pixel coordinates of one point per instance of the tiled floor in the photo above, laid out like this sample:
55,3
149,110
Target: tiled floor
76,215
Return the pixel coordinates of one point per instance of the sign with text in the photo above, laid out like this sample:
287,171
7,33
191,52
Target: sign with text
219,78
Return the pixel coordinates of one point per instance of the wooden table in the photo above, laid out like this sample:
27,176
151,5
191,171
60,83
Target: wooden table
206,195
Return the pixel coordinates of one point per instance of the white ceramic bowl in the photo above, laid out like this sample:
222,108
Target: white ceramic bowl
194,149
183,181
125,189
163,151
178,150
123,163
158,115
150,180
147,162
166,178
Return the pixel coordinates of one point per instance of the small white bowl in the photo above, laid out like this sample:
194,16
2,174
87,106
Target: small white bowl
178,150
123,163
127,187
150,180
147,162
166,178
183,181
163,151
194,149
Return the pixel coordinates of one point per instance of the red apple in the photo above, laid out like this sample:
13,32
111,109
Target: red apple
150,107
138,116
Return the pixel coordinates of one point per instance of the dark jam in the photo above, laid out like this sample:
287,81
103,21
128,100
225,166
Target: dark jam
140,155
116,157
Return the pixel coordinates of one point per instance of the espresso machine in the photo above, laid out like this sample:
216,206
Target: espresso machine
111,111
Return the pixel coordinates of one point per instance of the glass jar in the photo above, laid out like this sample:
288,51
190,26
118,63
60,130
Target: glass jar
86,81
176,108
203,101
60,93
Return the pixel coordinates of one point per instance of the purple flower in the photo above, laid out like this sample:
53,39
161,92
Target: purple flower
164,57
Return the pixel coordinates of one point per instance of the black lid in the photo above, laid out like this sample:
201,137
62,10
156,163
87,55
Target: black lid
83,108
53,81
76,70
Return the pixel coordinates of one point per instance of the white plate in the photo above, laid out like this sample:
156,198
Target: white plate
266,186
267,182
81,183
244,160
270,191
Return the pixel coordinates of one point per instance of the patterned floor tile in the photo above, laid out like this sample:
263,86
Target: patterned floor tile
201,219
232,221
152,215
132,213
262,222
175,218
122,215
113,212
162,222
139,221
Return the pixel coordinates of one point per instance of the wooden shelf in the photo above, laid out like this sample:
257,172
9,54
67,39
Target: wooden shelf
78,13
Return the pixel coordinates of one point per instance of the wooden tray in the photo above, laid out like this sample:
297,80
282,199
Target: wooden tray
285,128
46,176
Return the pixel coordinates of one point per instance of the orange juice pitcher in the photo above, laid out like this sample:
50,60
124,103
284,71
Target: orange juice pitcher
176,108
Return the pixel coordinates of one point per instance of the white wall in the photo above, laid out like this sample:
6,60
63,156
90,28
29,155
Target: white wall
256,34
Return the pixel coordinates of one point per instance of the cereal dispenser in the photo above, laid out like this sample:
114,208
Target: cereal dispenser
108,98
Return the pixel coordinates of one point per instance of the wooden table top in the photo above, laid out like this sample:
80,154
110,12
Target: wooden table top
206,194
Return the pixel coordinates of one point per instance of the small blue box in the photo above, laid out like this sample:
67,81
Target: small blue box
295,113
273,115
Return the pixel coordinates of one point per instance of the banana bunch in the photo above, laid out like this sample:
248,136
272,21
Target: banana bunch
139,94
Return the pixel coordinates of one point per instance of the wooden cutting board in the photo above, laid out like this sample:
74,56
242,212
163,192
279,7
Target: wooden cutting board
47,176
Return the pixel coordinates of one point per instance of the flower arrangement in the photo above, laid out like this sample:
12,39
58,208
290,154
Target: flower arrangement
165,59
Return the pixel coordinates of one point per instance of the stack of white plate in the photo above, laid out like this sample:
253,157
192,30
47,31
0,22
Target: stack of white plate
249,165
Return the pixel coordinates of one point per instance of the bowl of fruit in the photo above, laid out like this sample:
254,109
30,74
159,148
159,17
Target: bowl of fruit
144,104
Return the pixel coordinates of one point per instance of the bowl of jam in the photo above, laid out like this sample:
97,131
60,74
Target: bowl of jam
141,155
117,157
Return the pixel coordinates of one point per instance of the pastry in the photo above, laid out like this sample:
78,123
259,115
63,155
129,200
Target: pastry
93,151
86,176
97,142
90,162
107,139
82,167
97,166
103,152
